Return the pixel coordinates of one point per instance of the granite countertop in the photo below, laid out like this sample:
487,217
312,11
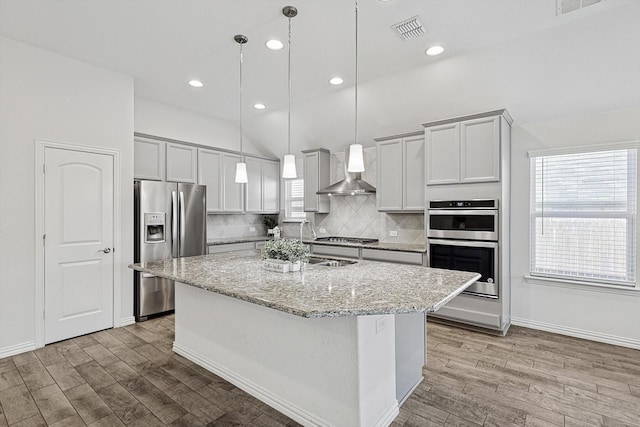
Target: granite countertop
228,240
389,246
364,288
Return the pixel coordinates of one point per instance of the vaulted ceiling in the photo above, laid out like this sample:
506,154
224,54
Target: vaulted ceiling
514,54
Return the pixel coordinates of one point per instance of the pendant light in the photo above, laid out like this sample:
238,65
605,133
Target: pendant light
356,159
241,167
289,165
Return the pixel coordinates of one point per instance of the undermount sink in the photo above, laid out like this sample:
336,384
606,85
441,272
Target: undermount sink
328,262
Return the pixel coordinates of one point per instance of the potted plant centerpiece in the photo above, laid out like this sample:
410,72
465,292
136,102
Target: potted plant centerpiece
284,255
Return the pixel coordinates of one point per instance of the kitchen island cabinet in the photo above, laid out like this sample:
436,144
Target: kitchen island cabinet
319,345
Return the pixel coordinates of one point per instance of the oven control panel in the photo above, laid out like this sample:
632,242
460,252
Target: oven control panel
464,204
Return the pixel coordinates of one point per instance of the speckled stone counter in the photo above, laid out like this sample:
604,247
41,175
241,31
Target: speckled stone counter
389,246
229,240
364,288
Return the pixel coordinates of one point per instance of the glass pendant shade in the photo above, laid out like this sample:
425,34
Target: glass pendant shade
356,160
241,173
289,167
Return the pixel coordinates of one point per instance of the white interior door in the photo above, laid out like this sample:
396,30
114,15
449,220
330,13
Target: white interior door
78,254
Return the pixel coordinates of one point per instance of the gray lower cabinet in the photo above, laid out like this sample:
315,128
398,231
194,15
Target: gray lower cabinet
231,247
149,159
415,258
400,169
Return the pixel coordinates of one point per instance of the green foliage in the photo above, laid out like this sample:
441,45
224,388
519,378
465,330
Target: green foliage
285,250
270,220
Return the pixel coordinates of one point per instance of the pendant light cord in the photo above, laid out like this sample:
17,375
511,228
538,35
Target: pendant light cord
289,82
356,90
241,61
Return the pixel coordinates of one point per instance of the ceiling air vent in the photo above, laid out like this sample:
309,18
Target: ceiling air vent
566,6
409,28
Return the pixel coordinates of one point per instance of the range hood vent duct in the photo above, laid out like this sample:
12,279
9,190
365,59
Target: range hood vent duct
351,185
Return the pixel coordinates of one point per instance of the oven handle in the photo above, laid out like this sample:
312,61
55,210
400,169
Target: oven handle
471,243
475,212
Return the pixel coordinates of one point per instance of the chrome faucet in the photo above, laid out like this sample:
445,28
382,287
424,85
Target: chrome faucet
313,230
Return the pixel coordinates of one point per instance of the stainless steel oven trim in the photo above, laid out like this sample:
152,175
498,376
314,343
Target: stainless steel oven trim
464,234
481,289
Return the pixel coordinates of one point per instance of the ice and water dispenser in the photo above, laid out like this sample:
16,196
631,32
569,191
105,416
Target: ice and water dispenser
154,226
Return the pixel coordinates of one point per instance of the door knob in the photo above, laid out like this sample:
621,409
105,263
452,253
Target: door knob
105,250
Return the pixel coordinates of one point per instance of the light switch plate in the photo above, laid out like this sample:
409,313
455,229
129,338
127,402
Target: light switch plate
252,229
393,233
381,324
323,230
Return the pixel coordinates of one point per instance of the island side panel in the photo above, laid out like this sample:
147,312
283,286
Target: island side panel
318,371
411,353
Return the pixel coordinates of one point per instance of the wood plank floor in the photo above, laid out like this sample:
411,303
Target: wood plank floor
129,376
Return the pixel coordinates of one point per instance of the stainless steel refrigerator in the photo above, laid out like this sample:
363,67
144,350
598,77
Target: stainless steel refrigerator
170,222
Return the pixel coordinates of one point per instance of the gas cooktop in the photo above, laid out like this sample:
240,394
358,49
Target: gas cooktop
338,239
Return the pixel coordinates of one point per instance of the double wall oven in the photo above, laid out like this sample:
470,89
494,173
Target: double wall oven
463,235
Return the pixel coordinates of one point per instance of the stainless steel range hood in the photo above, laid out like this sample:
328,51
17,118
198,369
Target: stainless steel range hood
352,185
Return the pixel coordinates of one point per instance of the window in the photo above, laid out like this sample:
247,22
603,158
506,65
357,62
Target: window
583,215
294,199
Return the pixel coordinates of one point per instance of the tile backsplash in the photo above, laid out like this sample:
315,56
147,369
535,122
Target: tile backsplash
225,226
357,216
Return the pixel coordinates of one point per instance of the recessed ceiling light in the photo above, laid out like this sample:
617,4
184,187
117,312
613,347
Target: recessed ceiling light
195,83
274,44
259,106
434,50
336,81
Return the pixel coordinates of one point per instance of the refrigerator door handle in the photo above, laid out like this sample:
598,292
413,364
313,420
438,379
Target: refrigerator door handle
183,223
174,224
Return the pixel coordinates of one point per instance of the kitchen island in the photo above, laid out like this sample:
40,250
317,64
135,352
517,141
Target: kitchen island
326,346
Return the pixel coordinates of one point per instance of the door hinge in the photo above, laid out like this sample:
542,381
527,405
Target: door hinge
44,237
44,168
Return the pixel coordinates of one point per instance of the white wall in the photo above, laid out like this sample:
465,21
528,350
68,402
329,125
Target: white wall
153,118
51,97
589,312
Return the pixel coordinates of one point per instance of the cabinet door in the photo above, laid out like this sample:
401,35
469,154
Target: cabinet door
311,168
210,174
253,192
270,186
443,154
182,163
389,182
480,150
231,192
413,176
148,159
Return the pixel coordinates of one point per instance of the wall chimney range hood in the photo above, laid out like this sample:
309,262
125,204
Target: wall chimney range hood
352,185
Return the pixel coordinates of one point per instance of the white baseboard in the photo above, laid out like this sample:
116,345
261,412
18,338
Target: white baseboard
126,321
287,408
578,333
17,349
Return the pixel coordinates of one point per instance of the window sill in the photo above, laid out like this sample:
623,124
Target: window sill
583,286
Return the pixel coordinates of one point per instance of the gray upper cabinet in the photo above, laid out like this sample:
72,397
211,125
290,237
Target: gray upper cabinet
465,150
262,193
231,191
210,174
316,177
182,163
480,150
400,168
148,159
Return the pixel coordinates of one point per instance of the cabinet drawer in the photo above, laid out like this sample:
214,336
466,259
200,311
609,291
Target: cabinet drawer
392,256
340,251
231,247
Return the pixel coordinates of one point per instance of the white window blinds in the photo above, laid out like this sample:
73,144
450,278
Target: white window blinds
294,199
583,216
